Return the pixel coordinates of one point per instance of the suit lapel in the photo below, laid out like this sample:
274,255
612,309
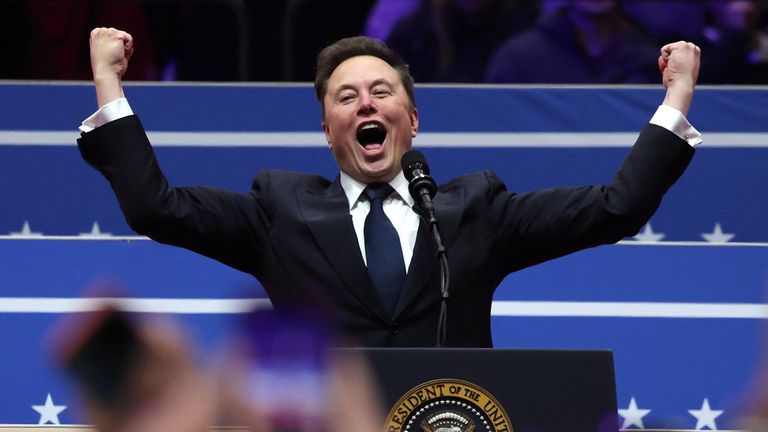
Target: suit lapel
448,210
327,216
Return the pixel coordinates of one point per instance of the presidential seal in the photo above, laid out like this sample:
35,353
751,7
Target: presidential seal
448,405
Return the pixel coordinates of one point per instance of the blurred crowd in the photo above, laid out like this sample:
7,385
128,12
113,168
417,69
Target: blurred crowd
464,41
275,373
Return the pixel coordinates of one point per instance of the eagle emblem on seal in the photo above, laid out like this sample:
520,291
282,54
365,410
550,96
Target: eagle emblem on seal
447,421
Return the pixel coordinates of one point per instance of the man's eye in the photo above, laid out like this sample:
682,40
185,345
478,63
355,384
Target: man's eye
381,92
346,98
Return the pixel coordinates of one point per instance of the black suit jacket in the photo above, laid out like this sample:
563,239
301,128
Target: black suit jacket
294,232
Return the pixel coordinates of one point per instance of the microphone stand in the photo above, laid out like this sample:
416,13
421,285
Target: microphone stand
428,213
442,321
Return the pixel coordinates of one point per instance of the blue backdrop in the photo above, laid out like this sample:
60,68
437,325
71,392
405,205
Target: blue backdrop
684,315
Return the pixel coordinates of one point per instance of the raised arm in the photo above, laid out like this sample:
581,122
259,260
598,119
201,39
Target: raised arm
224,225
679,66
111,49
545,224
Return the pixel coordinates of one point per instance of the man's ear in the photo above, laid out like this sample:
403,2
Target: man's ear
414,122
327,133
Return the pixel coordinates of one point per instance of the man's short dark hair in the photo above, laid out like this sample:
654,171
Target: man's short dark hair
338,52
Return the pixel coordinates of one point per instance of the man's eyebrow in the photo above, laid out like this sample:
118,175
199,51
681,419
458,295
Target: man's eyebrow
382,81
374,83
343,87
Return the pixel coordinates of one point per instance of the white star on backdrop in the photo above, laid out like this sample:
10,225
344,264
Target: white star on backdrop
705,417
633,416
49,412
717,235
26,231
647,235
96,232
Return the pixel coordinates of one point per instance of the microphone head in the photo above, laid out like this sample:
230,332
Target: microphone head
413,160
416,171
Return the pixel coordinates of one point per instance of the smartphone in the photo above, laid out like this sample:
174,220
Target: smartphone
287,355
102,353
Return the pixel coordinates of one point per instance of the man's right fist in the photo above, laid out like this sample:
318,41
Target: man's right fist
110,51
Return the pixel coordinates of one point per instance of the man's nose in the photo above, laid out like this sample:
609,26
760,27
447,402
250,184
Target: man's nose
367,105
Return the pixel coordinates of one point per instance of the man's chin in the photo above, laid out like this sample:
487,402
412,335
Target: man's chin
378,175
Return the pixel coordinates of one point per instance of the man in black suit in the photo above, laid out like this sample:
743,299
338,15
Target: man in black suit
304,236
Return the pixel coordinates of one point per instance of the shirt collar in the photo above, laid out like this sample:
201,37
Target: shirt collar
353,188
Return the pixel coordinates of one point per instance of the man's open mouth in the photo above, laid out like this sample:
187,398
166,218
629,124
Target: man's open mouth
371,135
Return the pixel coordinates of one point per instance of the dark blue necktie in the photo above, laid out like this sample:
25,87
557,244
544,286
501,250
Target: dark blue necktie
382,248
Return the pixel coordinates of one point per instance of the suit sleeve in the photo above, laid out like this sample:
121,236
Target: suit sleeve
223,225
546,224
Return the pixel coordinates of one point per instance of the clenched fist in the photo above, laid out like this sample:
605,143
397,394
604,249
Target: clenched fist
110,51
679,65
679,61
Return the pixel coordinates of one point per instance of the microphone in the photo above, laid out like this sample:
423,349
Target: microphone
421,186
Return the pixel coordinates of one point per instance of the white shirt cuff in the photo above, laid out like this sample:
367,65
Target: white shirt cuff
674,121
114,110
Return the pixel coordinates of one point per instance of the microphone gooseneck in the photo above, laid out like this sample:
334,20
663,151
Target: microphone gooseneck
422,188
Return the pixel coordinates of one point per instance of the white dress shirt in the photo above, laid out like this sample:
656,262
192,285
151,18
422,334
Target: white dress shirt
398,208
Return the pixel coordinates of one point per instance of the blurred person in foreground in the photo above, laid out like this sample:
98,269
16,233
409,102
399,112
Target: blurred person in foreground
142,375
305,238
135,376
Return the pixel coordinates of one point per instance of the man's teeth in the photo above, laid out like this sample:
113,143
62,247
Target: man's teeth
370,126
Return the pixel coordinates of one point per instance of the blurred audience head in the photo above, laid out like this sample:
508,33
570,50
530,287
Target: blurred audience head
135,375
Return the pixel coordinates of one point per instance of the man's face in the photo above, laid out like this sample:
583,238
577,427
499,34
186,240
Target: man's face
369,121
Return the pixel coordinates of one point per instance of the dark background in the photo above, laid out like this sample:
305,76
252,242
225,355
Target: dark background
443,40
